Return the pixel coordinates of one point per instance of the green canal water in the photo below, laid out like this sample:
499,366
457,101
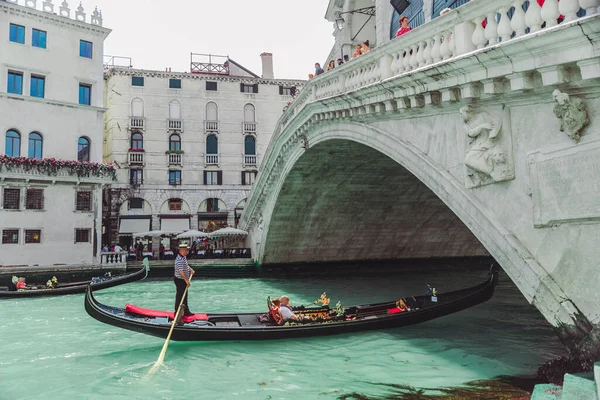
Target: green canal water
51,349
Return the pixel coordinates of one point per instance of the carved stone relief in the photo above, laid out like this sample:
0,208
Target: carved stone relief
304,142
572,114
488,157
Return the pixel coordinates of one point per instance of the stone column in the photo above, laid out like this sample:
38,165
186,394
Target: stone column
155,240
428,9
194,221
97,225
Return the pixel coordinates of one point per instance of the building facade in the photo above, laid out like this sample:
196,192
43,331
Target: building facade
51,175
187,146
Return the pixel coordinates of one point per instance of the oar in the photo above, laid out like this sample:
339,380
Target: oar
163,352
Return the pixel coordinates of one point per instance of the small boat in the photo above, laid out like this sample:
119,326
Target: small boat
96,283
317,321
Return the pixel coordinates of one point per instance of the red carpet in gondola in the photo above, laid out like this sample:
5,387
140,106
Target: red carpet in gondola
130,308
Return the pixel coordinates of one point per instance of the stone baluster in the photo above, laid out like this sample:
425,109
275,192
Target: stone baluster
479,38
48,6
550,13
517,23
491,29
445,47
504,29
64,9
413,58
435,51
569,8
590,6
533,17
394,63
427,52
420,54
80,14
407,57
451,43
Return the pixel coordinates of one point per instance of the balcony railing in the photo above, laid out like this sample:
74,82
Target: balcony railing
137,123
175,125
112,259
211,126
135,158
249,159
212,159
249,127
175,159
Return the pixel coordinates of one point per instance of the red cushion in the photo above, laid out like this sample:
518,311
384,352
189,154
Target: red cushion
157,313
394,310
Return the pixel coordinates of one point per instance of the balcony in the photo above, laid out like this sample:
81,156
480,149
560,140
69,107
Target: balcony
175,125
211,126
175,159
53,170
137,123
249,160
135,158
212,159
249,127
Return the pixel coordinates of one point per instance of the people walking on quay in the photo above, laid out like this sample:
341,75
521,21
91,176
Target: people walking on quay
183,275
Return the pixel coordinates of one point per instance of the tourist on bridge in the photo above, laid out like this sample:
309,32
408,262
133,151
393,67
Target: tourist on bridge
404,28
318,69
183,274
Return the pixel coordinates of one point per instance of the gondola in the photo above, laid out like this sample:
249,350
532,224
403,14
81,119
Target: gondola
318,320
96,283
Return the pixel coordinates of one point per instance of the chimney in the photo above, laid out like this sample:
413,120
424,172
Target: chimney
267,65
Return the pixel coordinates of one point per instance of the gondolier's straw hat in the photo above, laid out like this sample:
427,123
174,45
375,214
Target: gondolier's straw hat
183,246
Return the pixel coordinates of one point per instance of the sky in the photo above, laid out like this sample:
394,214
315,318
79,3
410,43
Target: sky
162,34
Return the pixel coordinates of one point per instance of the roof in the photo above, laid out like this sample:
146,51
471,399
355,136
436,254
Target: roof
243,68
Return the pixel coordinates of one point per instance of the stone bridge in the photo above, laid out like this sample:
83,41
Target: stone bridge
453,140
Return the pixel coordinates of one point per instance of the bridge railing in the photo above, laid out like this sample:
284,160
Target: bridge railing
471,27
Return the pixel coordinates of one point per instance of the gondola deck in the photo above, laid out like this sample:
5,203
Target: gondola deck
249,326
78,287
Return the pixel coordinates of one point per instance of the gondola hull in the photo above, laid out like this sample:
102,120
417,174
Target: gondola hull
247,326
78,288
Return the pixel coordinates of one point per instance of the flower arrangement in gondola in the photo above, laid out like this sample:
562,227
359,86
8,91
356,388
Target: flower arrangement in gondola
51,166
323,300
52,283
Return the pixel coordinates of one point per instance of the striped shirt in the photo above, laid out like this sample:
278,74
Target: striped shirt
182,267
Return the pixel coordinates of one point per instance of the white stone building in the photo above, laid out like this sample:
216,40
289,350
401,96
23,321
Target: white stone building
51,100
187,145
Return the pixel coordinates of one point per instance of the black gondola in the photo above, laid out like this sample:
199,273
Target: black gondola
77,287
249,326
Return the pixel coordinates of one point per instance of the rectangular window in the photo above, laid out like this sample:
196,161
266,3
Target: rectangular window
17,33
246,88
33,236
37,87
34,199
86,49
174,177
85,94
137,81
211,86
174,205
136,204
83,201
248,177
287,91
12,199
136,176
175,83
10,236
38,38
82,235
213,177
15,82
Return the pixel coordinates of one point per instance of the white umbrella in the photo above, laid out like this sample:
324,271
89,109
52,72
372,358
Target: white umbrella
192,234
229,231
153,233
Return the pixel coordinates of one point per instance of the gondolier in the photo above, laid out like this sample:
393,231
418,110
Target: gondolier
183,274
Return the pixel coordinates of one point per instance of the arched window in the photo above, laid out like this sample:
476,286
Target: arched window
174,110
212,145
137,107
249,113
137,141
212,112
250,146
35,145
174,142
83,149
12,145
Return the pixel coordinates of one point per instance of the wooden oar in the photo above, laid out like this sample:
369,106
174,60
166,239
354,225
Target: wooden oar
163,352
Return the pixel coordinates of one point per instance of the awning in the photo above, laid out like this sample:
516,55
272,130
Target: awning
129,226
175,224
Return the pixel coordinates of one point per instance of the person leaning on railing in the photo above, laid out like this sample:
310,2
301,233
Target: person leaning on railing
404,28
